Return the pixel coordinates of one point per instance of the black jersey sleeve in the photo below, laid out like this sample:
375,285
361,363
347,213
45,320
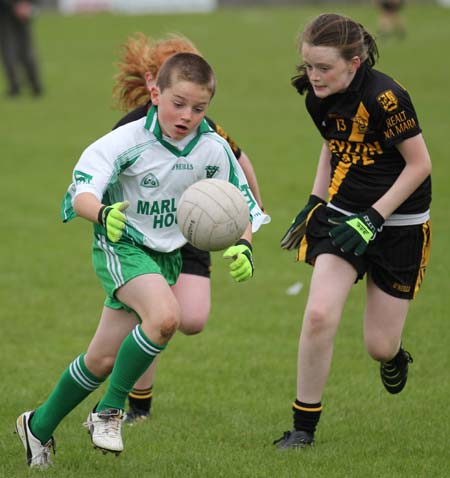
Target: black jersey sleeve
395,115
133,115
220,131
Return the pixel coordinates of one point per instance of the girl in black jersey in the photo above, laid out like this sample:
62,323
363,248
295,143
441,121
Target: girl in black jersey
368,213
140,62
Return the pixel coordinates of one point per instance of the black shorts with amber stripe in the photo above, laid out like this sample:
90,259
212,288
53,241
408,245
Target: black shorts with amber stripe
396,259
195,261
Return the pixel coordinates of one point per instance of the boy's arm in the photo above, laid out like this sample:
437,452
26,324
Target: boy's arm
87,205
242,267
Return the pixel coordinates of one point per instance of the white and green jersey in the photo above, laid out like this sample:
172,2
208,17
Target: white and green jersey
136,163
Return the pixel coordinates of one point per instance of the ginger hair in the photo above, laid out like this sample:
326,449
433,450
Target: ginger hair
139,55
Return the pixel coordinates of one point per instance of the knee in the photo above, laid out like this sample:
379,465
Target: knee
169,325
381,352
316,321
192,325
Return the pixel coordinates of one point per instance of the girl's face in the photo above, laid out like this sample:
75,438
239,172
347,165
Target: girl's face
327,71
181,107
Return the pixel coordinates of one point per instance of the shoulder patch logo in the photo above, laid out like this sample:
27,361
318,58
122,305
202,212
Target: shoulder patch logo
82,178
388,100
150,181
211,171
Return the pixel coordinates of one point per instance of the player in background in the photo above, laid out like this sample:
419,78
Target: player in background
136,248
17,49
390,20
140,61
368,212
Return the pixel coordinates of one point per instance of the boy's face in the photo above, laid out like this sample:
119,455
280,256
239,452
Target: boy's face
181,107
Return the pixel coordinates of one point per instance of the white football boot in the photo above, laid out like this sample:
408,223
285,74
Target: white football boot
38,455
105,430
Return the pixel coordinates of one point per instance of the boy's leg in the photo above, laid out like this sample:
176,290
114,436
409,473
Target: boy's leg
193,292
150,296
35,428
82,377
135,356
75,384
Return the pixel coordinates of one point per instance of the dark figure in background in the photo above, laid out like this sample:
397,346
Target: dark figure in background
16,45
390,21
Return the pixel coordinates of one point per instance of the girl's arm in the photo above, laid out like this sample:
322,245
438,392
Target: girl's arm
417,169
322,179
249,172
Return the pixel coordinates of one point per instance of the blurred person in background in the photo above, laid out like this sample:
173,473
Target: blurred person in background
140,61
368,213
390,20
16,46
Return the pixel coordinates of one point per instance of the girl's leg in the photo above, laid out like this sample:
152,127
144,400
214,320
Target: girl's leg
384,320
383,326
193,293
331,282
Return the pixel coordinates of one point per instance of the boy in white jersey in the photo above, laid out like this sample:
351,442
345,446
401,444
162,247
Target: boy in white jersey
128,184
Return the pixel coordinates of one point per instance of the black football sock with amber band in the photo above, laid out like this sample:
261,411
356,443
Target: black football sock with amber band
306,416
141,399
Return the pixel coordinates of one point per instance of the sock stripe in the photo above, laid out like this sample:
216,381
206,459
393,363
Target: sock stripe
77,373
145,345
307,409
141,394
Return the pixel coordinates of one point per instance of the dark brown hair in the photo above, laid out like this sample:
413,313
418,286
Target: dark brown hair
343,33
186,67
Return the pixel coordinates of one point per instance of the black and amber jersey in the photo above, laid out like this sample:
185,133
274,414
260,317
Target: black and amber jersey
363,125
141,111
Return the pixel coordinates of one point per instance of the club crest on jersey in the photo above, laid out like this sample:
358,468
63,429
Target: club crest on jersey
211,171
388,100
362,124
150,181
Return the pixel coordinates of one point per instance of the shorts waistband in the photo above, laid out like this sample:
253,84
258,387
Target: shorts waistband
394,219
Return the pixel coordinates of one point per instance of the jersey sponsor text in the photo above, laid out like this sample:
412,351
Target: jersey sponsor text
163,212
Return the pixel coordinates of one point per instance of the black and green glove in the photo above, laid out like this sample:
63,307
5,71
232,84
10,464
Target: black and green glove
291,240
113,220
242,267
353,233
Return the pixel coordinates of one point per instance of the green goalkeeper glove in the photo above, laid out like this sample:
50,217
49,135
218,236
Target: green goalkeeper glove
291,240
353,233
242,267
112,219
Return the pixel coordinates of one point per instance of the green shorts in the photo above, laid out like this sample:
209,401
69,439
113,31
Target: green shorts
117,263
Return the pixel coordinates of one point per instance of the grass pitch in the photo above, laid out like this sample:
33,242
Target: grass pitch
222,397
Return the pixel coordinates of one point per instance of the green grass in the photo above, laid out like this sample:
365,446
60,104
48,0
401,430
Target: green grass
223,396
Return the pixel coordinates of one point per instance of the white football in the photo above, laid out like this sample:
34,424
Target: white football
212,214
